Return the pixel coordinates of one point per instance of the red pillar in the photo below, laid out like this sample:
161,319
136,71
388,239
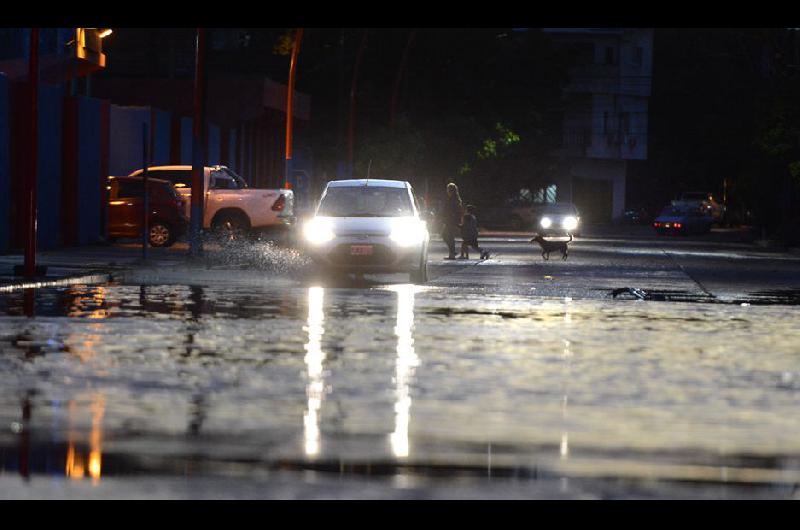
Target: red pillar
29,194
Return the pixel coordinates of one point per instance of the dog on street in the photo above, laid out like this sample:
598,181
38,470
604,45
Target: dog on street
552,246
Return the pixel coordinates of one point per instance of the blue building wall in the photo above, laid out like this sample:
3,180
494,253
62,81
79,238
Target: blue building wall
162,137
5,165
48,193
125,141
186,141
89,164
214,149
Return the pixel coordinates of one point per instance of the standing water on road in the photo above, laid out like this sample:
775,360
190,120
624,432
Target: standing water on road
119,384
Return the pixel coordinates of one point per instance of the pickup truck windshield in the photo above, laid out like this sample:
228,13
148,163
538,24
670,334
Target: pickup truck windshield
239,180
365,201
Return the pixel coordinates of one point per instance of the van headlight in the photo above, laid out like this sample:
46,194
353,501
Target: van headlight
546,222
408,232
569,223
318,231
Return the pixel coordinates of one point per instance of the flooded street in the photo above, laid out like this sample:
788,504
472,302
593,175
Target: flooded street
417,391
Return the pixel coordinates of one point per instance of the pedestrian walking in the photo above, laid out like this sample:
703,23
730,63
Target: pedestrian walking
451,219
469,234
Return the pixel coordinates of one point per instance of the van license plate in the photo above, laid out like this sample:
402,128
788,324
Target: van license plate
361,250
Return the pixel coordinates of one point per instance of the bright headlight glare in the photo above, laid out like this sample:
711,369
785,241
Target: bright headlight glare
546,222
318,231
569,223
408,232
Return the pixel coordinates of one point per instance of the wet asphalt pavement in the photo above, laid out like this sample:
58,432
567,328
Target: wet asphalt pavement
254,377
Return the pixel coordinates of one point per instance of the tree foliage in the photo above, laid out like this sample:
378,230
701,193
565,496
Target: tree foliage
471,103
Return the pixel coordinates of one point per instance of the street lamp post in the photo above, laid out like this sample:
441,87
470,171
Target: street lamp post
292,64
30,177
198,147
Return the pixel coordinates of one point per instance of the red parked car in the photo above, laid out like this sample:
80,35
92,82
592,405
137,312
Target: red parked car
168,219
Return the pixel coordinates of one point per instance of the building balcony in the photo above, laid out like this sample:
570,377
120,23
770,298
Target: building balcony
581,143
607,79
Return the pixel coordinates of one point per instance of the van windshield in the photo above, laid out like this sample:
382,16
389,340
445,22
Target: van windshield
365,201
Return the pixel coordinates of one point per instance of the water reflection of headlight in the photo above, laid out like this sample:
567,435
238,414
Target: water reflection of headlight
408,231
546,222
569,223
318,231
406,362
314,359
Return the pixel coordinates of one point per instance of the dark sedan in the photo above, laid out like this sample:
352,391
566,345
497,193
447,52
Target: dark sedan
682,221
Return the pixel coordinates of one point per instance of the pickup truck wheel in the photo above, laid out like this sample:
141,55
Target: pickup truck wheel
161,235
230,228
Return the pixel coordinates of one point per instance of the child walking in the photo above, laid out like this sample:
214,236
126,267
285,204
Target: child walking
469,234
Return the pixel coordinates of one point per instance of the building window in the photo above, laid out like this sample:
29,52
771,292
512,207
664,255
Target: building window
637,56
609,55
218,39
580,54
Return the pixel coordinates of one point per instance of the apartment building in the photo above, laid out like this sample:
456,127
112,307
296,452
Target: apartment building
605,115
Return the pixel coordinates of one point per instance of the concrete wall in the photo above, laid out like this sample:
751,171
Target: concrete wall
5,165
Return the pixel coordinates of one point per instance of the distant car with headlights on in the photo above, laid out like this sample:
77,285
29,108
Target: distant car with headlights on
369,226
557,219
678,220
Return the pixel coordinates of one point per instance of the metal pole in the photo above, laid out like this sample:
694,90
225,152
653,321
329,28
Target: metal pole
195,238
146,195
292,64
30,177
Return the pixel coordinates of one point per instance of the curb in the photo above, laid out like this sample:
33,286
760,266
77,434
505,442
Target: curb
37,283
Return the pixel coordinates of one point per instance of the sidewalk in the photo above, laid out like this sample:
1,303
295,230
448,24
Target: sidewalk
123,262
95,261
